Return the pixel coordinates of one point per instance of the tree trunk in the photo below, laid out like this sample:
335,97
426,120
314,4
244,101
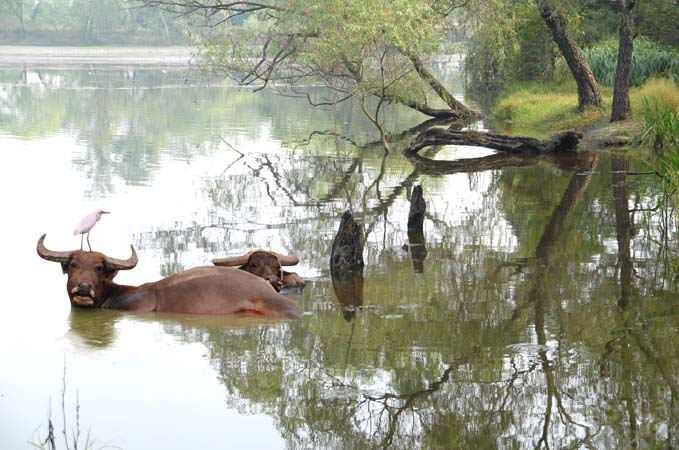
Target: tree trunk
621,105
167,30
89,22
566,141
19,13
450,114
588,90
454,104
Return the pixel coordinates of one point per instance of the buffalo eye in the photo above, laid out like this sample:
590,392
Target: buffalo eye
73,265
99,268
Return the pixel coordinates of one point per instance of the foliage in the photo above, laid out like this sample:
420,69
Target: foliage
648,60
490,48
657,20
599,21
513,45
355,48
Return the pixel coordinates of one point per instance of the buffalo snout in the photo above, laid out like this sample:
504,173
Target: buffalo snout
275,282
83,289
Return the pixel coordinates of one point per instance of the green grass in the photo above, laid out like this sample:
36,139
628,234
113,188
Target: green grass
659,93
543,109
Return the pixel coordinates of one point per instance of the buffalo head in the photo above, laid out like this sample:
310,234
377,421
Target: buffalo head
262,263
87,272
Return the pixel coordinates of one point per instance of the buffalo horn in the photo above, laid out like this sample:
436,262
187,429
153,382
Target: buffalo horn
232,261
51,255
122,264
287,260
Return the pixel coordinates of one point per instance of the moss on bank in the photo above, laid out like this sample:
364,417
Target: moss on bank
543,109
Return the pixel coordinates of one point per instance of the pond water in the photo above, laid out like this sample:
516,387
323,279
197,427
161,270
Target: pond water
543,314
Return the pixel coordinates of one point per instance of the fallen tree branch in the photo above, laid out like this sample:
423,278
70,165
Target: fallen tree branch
566,141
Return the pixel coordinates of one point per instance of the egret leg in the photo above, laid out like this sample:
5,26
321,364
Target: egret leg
82,236
88,241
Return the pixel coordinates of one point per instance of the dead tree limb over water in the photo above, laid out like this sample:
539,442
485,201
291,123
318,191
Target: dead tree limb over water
565,141
516,151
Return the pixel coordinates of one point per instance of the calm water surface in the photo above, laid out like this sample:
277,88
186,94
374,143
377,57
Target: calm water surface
544,313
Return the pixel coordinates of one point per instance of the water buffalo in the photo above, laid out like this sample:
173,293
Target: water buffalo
203,290
267,265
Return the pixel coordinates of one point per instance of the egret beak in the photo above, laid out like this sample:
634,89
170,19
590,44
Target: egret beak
106,212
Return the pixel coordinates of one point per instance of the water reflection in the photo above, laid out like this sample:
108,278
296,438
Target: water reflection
93,329
543,315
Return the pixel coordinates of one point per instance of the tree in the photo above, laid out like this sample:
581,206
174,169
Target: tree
18,9
588,90
621,104
357,49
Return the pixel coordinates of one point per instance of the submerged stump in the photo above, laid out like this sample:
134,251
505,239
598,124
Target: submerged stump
346,265
416,243
347,248
417,210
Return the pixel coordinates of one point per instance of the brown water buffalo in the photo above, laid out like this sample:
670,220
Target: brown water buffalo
203,290
267,265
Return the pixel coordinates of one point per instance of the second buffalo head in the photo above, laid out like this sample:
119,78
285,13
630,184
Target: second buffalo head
264,264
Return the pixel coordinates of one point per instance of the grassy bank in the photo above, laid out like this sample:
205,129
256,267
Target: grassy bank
542,109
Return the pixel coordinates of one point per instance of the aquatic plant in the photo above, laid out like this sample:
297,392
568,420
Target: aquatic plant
661,134
661,130
75,440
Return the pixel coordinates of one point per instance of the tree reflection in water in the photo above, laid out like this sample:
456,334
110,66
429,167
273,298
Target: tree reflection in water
544,315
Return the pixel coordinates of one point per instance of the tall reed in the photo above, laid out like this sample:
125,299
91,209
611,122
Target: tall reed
661,128
661,133
649,60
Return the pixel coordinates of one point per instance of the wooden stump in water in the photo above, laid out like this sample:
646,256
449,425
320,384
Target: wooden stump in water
416,243
347,248
346,265
417,210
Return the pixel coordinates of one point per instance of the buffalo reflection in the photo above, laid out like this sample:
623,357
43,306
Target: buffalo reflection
93,327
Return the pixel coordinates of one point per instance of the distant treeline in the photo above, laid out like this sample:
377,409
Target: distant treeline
91,22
